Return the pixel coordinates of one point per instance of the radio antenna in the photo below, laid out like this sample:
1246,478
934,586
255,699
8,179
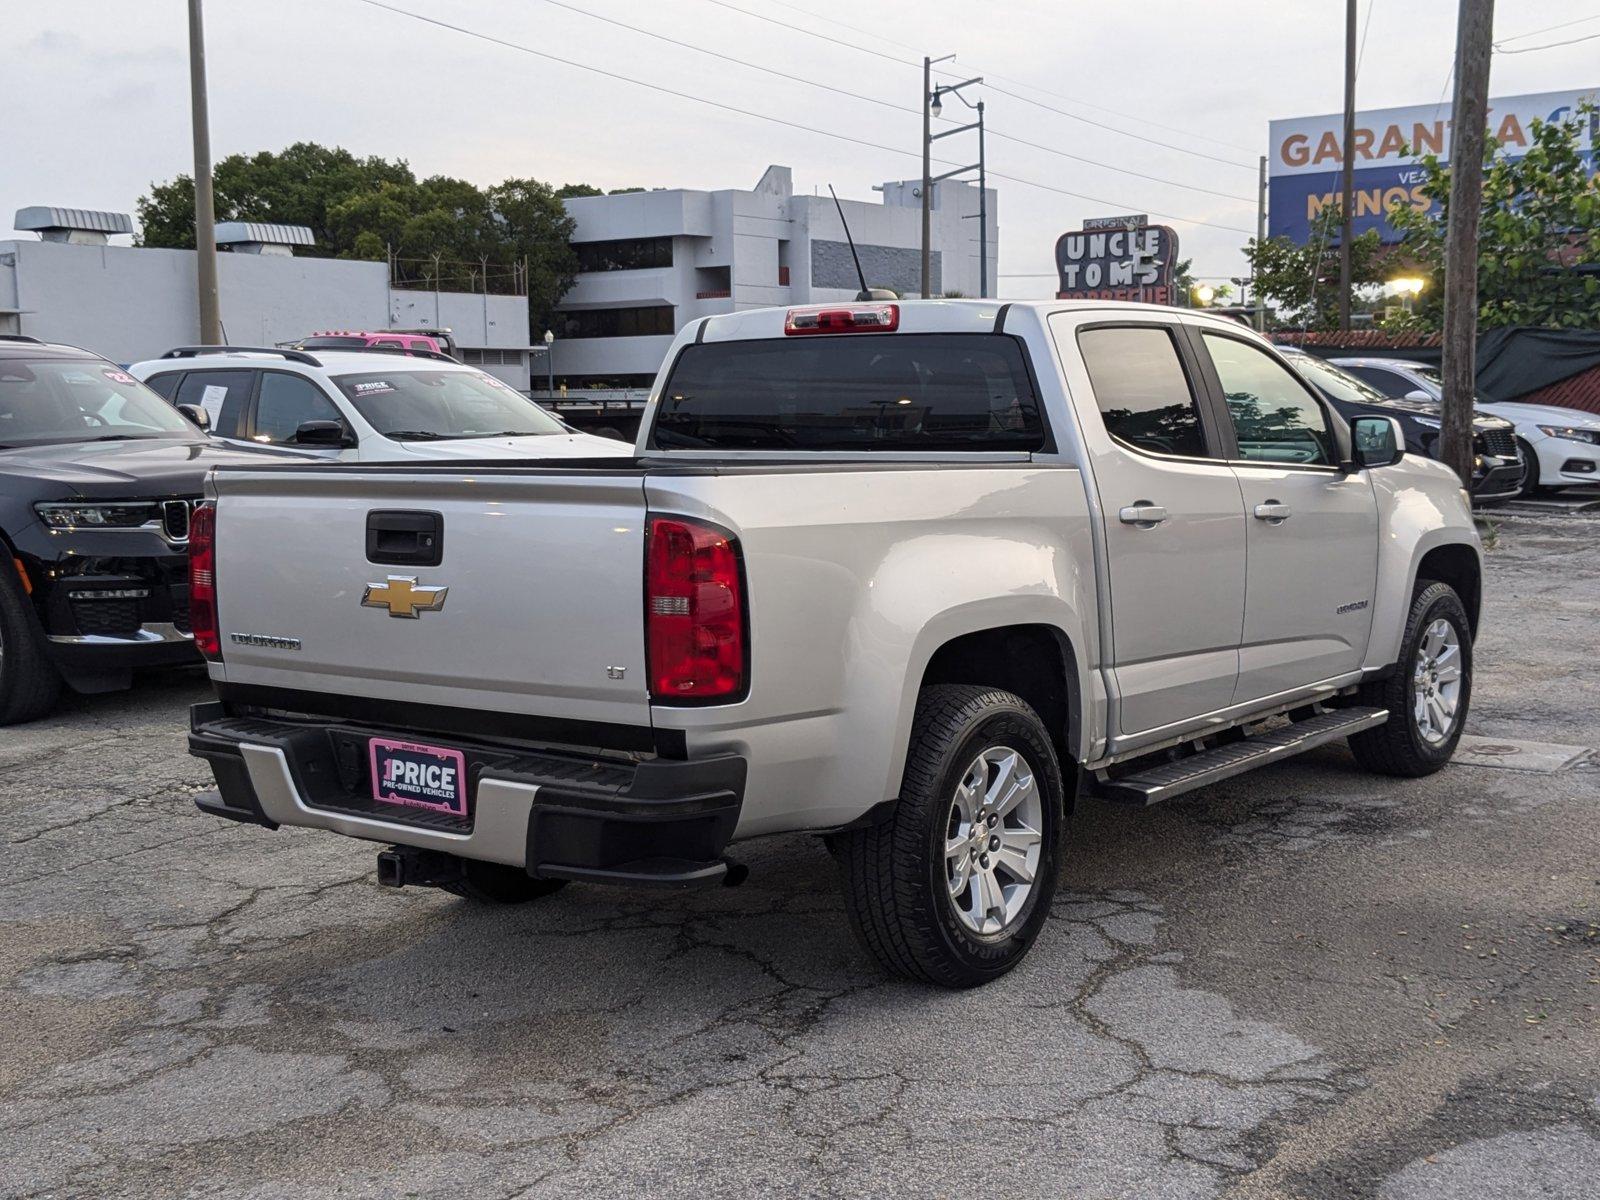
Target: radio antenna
865,293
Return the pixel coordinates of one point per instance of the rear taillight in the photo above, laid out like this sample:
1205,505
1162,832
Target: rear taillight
860,318
203,581
694,611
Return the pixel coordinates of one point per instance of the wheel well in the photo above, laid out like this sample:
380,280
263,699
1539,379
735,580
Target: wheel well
1458,566
1033,661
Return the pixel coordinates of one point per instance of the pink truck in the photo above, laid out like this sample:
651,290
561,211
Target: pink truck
438,341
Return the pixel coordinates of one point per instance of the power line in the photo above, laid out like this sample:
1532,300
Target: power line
672,41
988,82
1499,48
744,112
1030,86
1517,37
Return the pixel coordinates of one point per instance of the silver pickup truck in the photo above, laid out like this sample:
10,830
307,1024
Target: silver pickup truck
912,576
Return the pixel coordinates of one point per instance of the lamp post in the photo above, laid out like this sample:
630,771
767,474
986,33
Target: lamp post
550,363
935,107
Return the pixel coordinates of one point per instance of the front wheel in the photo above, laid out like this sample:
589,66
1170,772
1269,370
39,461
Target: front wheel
29,681
1530,470
953,887
1429,692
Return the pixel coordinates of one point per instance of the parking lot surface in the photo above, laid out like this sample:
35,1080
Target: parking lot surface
1306,982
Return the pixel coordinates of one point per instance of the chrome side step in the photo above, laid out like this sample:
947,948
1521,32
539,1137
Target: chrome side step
1169,779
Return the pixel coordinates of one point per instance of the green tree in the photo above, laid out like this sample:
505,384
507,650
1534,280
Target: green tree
1538,221
1301,281
441,230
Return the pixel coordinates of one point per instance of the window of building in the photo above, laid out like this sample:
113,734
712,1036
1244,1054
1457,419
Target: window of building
626,254
1142,391
657,319
1275,415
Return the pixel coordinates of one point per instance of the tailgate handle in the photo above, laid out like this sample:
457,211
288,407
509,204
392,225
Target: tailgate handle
405,538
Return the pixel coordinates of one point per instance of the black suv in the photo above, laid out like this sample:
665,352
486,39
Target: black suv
1498,467
98,476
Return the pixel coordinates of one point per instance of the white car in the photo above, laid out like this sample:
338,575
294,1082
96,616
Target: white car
362,405
1561,446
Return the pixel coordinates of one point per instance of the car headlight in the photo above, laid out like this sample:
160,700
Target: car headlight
96,516
1568,433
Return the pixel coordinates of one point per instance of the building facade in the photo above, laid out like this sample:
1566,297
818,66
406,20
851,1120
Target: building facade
133,302
651,262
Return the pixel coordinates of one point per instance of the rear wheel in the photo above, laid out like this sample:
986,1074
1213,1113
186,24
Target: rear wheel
954,886
29,681
1428,693
497,883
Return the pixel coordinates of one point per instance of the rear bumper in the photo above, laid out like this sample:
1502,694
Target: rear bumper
557,816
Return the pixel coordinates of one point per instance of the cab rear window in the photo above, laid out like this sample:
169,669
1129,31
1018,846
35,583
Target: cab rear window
851,392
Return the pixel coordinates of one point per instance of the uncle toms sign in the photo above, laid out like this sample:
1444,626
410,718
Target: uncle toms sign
1117,264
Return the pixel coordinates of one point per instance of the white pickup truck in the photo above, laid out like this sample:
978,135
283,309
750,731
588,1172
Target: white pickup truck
913,576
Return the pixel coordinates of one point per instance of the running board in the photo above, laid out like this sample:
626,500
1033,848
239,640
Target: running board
1171,779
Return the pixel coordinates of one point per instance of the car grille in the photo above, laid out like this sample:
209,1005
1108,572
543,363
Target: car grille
1501,443
106,618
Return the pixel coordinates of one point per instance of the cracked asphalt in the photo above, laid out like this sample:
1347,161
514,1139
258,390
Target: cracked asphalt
1307,982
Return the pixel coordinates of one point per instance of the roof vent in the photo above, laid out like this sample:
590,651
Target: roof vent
260,237
79,226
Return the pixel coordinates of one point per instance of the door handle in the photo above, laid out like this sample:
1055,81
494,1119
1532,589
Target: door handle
1273,512
1143,514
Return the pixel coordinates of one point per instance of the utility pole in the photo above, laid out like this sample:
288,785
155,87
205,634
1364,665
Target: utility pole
927,168
1347,210
1469,115
983,214
1261,237
205,231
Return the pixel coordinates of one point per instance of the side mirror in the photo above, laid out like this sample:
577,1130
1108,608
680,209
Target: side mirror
322,434
1419,394
1376,441
196,414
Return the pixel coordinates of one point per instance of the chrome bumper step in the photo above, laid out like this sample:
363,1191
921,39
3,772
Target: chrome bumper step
1169,779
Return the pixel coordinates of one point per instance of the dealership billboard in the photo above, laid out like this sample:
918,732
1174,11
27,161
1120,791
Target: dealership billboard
1306,158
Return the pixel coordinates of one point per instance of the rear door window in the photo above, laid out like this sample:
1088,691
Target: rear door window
286,401
222,394
851,392
1142,390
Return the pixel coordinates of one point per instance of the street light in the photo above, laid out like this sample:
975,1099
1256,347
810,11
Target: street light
933,106
1408,288
550,362
1205,293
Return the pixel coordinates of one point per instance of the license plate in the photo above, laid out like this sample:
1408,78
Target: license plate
419,776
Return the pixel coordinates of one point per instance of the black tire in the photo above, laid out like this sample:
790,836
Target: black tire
497,883
894,872
29,681
1530,470
1397,747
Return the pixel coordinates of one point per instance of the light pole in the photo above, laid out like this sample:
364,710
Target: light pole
205,233
934,107
930,109
550,362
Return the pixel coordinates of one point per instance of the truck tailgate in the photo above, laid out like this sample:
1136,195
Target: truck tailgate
544,609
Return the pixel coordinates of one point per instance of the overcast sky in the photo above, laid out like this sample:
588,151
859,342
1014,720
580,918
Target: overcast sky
95,94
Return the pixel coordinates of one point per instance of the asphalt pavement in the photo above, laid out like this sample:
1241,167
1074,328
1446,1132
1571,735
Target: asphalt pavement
1307,982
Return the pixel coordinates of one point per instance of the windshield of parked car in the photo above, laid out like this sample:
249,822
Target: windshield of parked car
866,391
80,400
426,405
1341,385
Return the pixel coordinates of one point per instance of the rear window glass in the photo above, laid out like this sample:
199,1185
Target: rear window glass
901,391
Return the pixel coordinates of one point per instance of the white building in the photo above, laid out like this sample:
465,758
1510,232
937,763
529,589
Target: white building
133,302
651,262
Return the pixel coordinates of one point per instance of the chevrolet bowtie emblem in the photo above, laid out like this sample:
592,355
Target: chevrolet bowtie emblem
403,597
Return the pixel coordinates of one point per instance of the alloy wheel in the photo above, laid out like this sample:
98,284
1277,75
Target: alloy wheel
993,840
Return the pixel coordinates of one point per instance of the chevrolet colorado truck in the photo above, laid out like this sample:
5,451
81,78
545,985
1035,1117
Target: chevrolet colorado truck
911,576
